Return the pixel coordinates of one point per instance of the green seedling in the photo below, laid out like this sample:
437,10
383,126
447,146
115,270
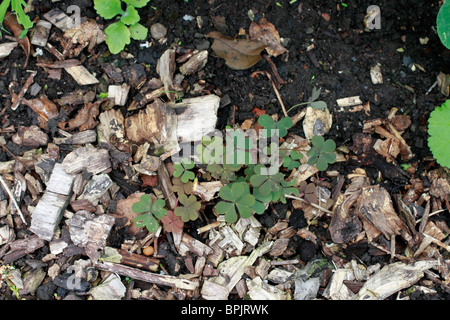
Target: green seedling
189,210
182,170
266,183
150,211
321,153
312,101
291,161
17,7
439,131
127,24
443,24
172,223
268,123
236,198
240,153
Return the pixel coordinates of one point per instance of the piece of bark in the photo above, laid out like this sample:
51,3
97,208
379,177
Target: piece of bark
76,98
7,48
349,101
195,63
375,206
279,276
114,73
50,208
7,166
32,280
81,75
84,137
166,185
111,288
344,225
166,68
157,124
111,127
231,271
22,247
32,137
82,204
159,279
199,113
393,278
16,99
88,158
6,235
189,244
124,257
86,228
336,289
279,247
97,186
119,94
58,19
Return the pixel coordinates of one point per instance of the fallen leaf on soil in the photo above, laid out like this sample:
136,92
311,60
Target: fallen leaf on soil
43,107
6,48
85,119
239,54
172,223
265,32
11,23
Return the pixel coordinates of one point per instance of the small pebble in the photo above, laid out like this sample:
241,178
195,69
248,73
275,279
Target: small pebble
158,31
148,251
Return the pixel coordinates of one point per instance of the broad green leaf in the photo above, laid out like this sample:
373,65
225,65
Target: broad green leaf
187,175
148,221
237,190
137,3
225,193
320,105
283,125
245,211
439,131
266,122
247,200
443,24
228,209
158,208
329,157
259,207
108,9
138,32
318,142
321,164
130,16
3,8
118,36
328,146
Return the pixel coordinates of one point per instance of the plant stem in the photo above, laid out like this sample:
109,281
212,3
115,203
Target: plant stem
298,105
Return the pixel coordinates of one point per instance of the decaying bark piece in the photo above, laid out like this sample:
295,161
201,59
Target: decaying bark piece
195,63
166,69
41,33
189,244
157,125
166,185
375,207
159,279
259,290
81,75
344,224
50,208
119,93
200,113
58,19
231,272
31,136
87,158
86,228
111,288
393,278
22,247
84,137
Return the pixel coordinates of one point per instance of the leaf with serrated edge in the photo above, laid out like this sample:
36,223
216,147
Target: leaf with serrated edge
107,9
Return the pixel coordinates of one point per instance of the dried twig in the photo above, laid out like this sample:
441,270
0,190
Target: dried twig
311,204
13,200
255,74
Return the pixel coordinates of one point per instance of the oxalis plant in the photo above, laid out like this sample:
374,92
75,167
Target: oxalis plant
248,186
126,27
443,24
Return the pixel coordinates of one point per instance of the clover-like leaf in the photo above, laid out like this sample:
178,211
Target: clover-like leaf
172,223
225,173
189,210
290,161
211,150
322,152
150,211
236,197
239,148
265,182
308,192
439,131
286,188
268,123
182,170
181,188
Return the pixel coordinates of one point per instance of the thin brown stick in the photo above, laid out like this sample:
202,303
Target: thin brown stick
311,204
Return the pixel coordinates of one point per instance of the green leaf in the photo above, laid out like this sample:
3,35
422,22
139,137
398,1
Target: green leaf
144,205
137,3
266,122
189,210
22,18
318,142
118,36
138,32
150,210
108,9
320,105
148,221
228,209
3,8
439,131
328,146
130,16
443,24
283,125
158,208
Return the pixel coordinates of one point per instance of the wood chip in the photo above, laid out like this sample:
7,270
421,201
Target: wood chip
81,75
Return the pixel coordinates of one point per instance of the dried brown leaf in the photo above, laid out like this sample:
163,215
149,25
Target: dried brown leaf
11,23
85,119
239,54
265,32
